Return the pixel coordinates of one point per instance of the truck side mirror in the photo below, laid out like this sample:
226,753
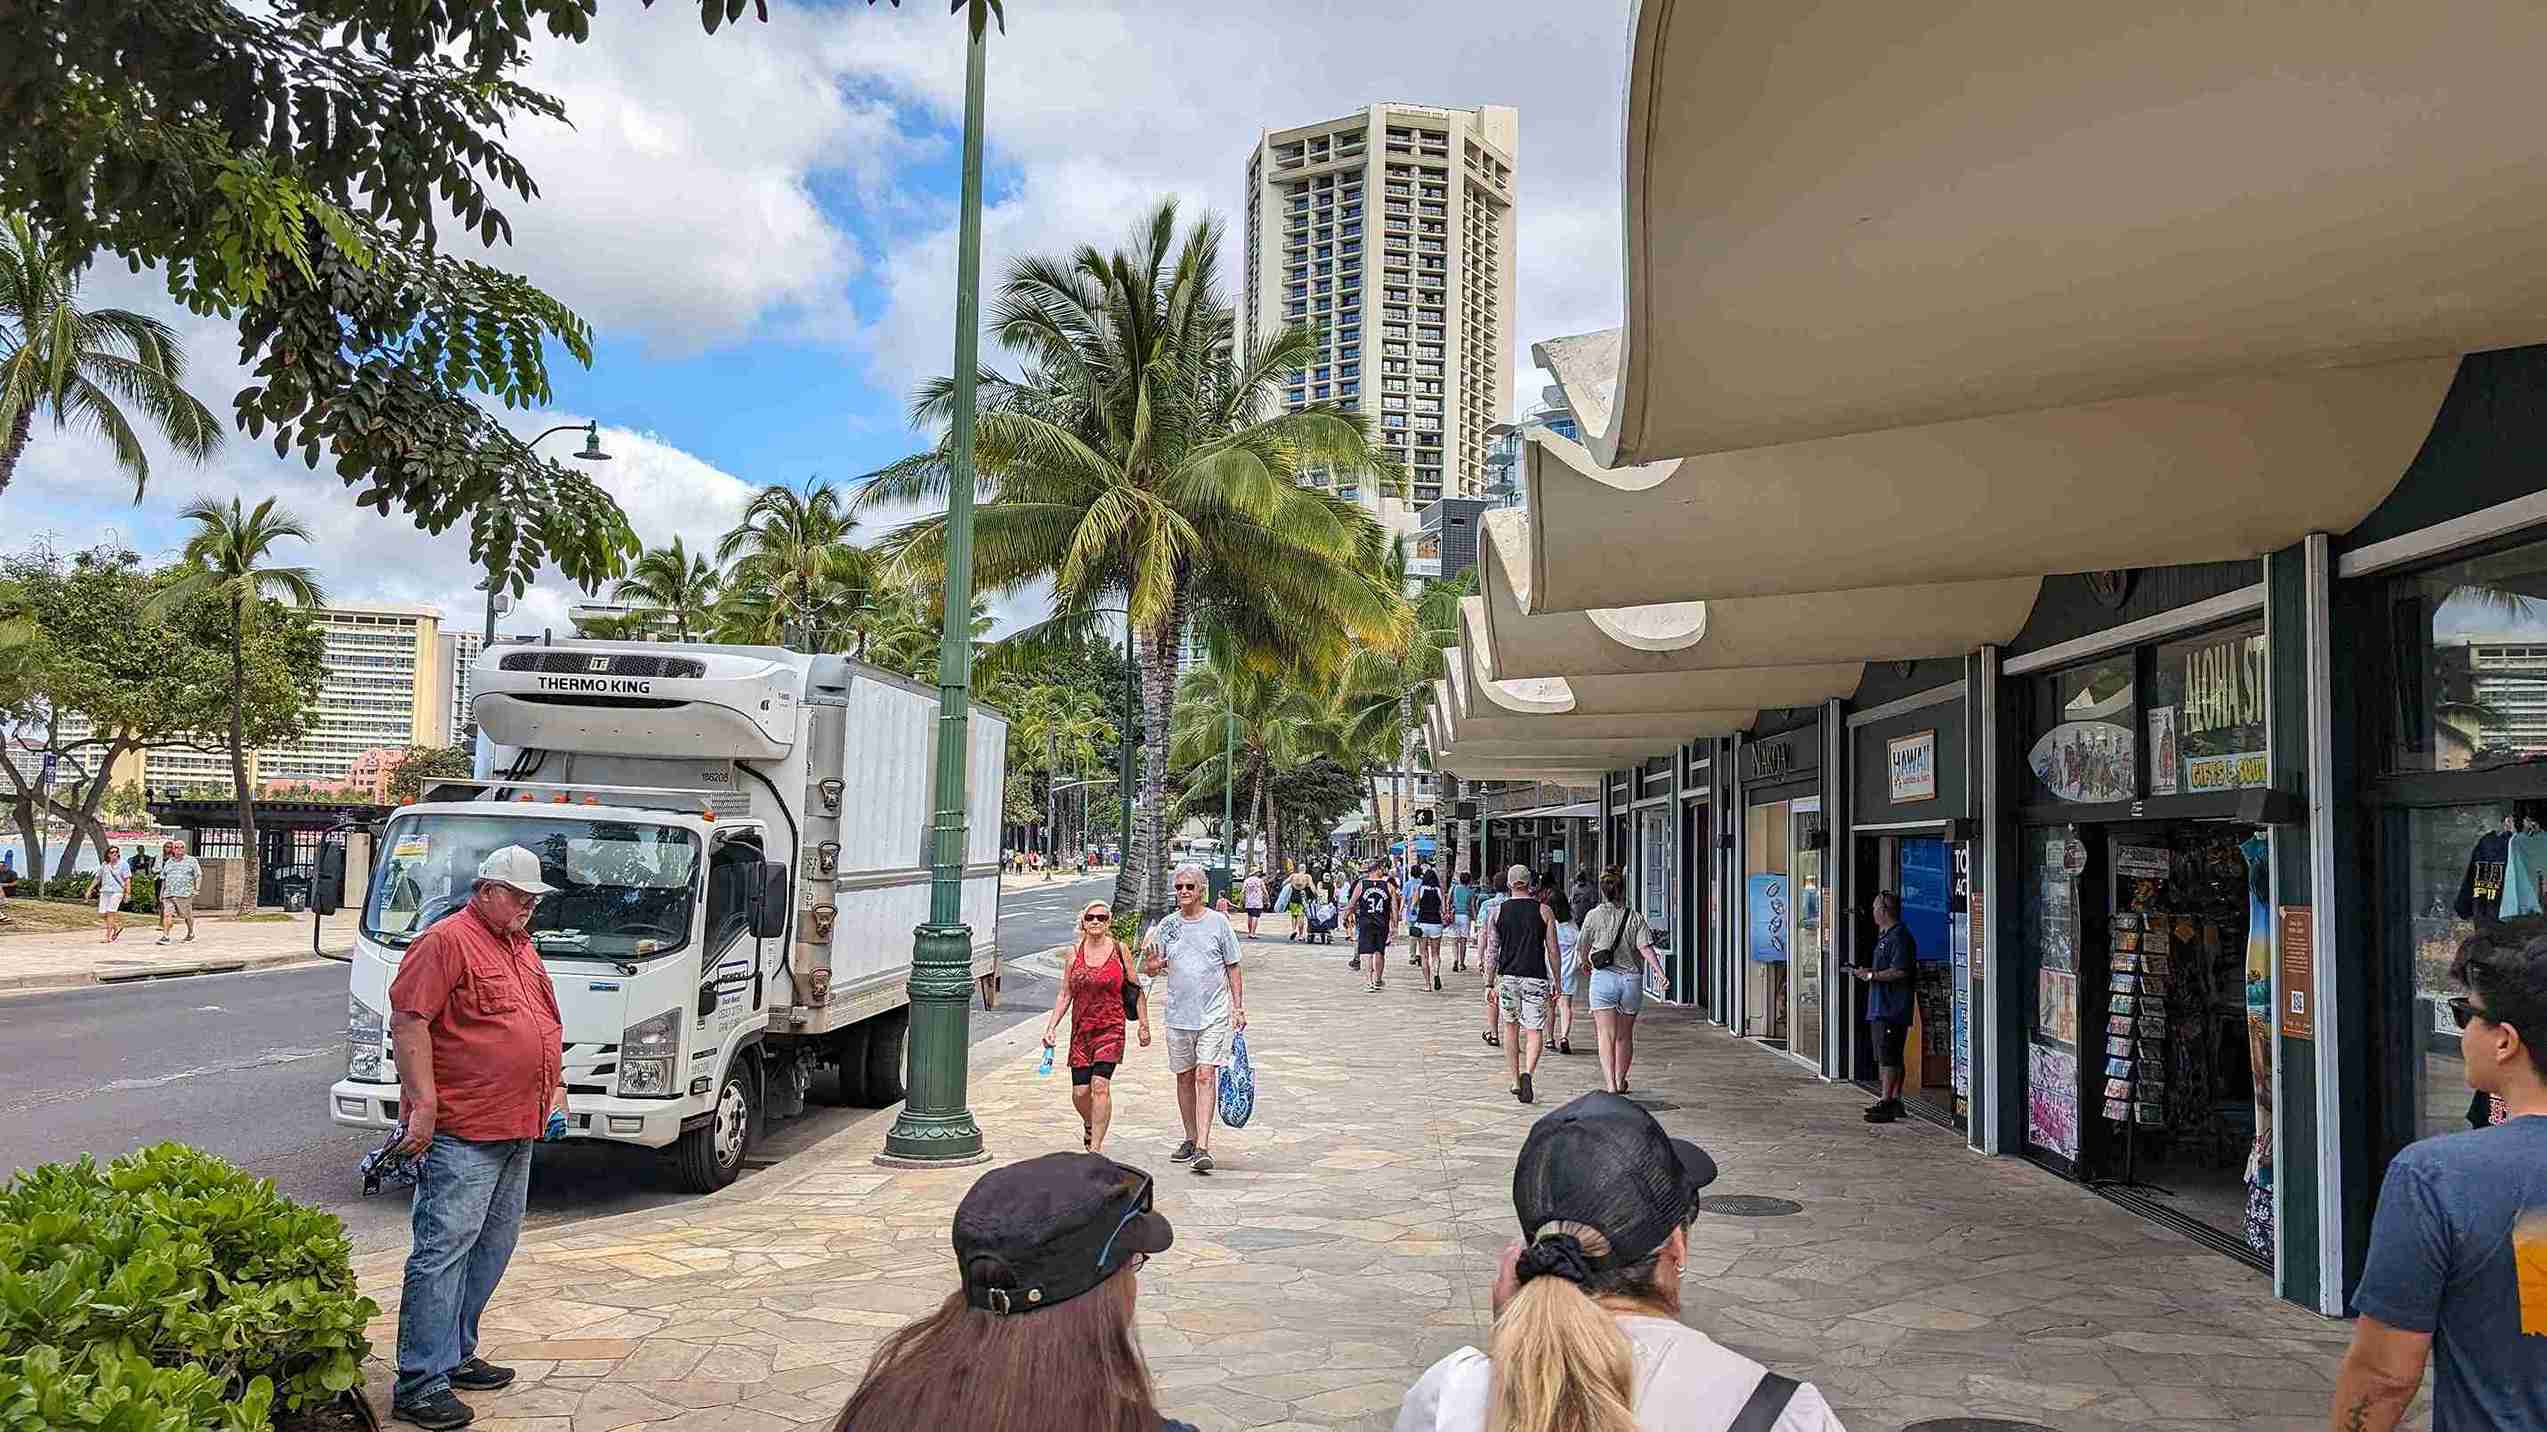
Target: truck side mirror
327,892
769,901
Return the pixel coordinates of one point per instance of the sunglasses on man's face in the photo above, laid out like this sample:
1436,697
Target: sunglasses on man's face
2464,1010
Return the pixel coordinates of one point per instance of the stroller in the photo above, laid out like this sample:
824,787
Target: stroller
1322,922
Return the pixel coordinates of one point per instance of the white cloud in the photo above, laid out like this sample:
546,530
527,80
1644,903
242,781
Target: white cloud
1097,109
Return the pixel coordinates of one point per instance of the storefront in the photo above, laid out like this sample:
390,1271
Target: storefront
1783,967
2144,961
1910,832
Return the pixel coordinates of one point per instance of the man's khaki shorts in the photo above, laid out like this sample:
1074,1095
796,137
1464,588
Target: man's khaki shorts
1524,1001
178,907
1187,1048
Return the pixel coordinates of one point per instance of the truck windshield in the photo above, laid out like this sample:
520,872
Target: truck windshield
625,890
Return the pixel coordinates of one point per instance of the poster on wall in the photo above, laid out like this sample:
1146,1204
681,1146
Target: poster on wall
2163,755
2228,771
1766,899
1913,761
2056,1007
2089,762
2051,1100
1926,894
1962,1005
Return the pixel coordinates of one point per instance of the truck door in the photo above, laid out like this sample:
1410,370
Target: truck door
731,960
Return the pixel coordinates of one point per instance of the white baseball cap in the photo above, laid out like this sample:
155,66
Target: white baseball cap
517,868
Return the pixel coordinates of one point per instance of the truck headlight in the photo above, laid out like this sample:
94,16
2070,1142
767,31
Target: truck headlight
648,1050
365,1036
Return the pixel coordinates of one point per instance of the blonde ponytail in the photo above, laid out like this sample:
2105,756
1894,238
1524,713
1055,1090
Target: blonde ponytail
1560,1362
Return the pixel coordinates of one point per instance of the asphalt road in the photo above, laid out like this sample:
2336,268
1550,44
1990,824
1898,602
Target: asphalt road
240,1064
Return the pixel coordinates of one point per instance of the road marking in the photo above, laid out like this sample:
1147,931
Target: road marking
266,1060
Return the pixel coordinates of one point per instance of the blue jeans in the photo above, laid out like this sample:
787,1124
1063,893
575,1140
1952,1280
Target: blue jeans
466,1215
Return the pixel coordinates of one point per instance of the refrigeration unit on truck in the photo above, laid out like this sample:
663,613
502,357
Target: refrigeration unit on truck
739,837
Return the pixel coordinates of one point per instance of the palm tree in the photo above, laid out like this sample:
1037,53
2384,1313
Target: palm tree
1385,691
799,576
227,556
1056,729
1277,725
1139,456
670,586
86,366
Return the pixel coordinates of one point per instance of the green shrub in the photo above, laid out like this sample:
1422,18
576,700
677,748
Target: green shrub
169,1277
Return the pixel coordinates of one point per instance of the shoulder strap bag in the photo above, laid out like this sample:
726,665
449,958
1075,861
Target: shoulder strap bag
1766,1405
1604,956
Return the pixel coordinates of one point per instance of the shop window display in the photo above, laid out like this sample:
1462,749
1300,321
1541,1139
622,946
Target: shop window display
2470,645
2206,714
2085,750
2468,866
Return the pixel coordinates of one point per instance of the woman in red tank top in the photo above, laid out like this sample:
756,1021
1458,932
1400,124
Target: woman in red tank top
1097,987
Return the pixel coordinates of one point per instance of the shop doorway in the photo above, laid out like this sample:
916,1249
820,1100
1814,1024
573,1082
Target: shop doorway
2151,1059
1689,968
1920,870
1787,852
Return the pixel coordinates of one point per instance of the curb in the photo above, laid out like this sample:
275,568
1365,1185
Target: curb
131,972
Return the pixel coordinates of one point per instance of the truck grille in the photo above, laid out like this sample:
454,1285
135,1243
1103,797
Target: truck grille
580,663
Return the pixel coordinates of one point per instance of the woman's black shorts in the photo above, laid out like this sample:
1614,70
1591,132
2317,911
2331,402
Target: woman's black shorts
1101,1069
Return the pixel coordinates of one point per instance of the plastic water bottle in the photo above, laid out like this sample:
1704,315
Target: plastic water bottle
1046,1066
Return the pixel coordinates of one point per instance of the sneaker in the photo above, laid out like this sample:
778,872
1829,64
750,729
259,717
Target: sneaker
1525,1093
479,1375
1354,963
1184,1151
1203,1162
440,1411
1437,984
162,940
1882,1114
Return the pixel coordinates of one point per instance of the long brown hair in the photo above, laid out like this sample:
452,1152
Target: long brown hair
1073,1365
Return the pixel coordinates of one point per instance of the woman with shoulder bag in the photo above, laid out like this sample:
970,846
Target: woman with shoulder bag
1099,991
1612,953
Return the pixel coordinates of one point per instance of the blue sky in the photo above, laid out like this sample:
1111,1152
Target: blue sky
759,225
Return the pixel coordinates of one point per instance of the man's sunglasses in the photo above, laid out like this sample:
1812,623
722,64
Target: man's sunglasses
2463,1010
1187,885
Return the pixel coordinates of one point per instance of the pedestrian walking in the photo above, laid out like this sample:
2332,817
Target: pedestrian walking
1040,1333
1197,951
1374,904
1409,890
1251,894
114,883
1099,990
473,1023
1888,994
1573,988
1302,888
180,876
1587,1335
1487,909
1463,907
1429,916
1616,945
2457,1272
1582,891
1518,946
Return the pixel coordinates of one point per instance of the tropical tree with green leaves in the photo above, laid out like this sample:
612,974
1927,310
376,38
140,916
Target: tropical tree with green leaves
1240,730
1140,460
1055,729
671,587
95,369
795,576
1383,692
229,558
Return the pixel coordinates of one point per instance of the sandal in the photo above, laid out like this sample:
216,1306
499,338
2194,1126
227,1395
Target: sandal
1490,1039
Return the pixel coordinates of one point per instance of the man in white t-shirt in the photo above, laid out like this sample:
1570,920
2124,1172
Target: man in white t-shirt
1194,947
1605,1199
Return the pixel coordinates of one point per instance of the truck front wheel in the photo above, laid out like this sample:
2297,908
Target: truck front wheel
711,1155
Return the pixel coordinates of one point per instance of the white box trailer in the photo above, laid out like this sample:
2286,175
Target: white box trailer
740,837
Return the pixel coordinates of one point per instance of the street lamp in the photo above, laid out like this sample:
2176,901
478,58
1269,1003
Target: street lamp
592,453
935,1128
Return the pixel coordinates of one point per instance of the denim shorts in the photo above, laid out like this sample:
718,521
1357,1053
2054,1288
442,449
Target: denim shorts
1621,988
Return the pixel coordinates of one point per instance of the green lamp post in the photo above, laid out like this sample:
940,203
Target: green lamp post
936,1128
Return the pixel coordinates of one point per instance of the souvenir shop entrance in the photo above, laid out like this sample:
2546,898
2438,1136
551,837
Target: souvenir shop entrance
1921,870
2149,1060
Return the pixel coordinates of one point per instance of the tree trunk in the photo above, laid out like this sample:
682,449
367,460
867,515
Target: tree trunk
30,835
1256,817
15,445
248,873
1141,886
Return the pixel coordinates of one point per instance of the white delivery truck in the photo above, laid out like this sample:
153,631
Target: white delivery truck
739,837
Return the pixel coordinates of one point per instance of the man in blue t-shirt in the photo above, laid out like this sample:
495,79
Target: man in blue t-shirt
1887,981
2457,1274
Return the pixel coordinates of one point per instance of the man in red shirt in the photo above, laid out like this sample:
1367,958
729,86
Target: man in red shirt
473,1021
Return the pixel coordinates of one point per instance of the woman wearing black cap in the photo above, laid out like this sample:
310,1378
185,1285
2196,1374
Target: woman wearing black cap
1587,1334
1040,1335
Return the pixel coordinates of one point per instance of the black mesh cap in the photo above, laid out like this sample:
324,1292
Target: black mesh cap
1603,1162
1043,1231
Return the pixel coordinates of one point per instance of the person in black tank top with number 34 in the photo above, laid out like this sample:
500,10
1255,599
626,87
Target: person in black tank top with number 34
1374,912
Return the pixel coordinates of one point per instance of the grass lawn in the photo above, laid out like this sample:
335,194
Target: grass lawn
49,917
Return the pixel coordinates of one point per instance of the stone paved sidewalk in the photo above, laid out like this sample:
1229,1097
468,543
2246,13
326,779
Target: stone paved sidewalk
1349,1238
55,960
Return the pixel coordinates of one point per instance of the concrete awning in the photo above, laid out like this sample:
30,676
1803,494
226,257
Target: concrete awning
1553,738
2236,468
1863,624
1493,724
1843,218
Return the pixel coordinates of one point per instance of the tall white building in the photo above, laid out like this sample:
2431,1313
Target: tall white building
459,655
1391,231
